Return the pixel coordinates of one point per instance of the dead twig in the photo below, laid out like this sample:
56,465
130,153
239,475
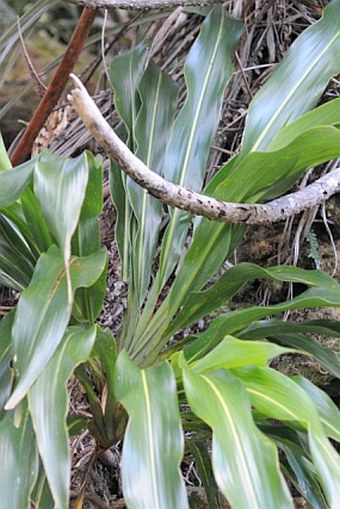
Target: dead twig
191,201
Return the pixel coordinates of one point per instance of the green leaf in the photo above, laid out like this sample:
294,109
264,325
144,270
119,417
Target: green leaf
6,373
298,467
122,227
48,404
5,163
86,240
328,411
93,201
16,259
233,353
290,92
200,304
36,221
278,397
288,334
205,473
236,321
45,302
13,182
153,443
20,460
207,70
41,495
295,86
60,187
326,114
241,454
158,95
125,73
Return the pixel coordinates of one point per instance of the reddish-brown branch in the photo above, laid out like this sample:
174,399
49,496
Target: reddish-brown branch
56,88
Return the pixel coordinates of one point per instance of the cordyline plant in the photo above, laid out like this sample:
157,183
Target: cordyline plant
139,388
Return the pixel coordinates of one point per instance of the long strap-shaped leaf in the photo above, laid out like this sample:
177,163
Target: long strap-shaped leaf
245,462
319,49
44,311
48,404
207,71
238,320
60,186
125,73
310,62
153,443
158,95
19,458
200,304
276,396
6,373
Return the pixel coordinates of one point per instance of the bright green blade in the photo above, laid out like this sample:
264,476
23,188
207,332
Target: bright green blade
232,353
19,458
5,163
241,453
326,114
43,313
48,404
328,411
42,238
153,443
278,397
295,86
291,335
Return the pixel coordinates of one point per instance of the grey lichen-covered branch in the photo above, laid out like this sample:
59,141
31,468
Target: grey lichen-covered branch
141,4
192,201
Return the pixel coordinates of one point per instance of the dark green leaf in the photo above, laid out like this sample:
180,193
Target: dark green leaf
205,473
16,259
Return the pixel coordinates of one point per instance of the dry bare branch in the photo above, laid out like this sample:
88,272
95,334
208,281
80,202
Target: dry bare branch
141,4
191,201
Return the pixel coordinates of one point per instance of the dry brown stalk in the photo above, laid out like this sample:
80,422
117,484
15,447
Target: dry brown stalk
56,88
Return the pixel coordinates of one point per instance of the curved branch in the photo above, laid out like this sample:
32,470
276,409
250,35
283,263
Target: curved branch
141,4
182,198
